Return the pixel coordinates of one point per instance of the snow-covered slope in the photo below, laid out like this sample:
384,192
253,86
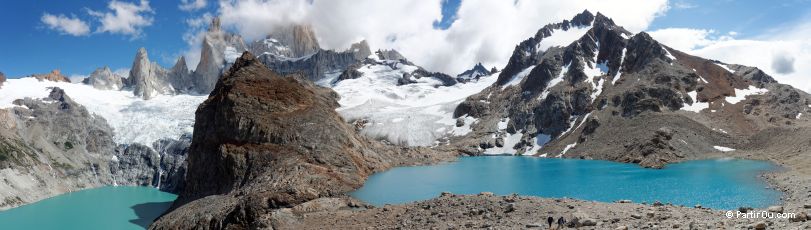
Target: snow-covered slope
414,114
133,119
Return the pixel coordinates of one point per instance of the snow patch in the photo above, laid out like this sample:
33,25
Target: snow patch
696,106
515,80
562,37
723,149
741,94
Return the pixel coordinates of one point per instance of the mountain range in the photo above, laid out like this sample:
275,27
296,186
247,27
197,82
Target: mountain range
283,126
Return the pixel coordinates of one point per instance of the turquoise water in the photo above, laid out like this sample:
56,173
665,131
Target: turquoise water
120,208
719,184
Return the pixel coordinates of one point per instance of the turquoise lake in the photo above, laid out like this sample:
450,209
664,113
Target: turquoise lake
121,208
719,184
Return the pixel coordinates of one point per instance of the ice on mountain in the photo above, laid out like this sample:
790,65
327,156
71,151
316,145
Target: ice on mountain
425,106
133,119
723,149
515,80
562,37
696,106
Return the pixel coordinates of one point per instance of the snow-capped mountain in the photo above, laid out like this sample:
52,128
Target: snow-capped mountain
474,73
592,89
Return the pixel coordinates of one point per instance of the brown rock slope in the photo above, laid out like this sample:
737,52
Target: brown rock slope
264,142
624,97
54,75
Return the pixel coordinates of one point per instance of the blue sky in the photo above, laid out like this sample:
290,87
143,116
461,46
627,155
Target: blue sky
30,46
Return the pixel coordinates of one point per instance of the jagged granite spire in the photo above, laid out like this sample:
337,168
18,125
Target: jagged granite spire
148,79
216,44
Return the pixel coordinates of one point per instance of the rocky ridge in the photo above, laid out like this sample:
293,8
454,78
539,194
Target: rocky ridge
54,75
53,145
669,106
104,78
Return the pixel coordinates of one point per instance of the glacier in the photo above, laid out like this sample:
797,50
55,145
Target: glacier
133,119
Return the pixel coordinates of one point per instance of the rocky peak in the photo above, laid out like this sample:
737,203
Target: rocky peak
219,48
104,78
474,73
54,75
2,78
180,65
214,26
361,50
584,18
148,79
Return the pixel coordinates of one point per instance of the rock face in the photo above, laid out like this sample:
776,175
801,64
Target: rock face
53,145
667,105
292,41
180,77
54,75
264,141
103,78
2,78
216,44
148,79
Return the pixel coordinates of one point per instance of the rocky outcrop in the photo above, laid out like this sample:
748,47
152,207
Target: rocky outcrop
148,79
321,65
361,50
53,145
263,141
54,75
2,78
161,165
104,78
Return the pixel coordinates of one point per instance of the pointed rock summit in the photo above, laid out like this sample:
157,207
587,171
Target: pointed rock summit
219,48
104,78
148,79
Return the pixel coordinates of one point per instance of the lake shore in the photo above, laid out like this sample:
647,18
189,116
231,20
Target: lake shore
488,211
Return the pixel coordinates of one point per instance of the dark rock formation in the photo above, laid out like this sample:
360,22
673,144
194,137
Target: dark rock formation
104,78
2,78
474,73
263,141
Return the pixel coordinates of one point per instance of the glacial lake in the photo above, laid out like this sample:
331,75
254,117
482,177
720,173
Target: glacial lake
717,183
121,208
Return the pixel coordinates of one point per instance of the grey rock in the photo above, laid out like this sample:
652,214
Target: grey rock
148,79
103,78
776,208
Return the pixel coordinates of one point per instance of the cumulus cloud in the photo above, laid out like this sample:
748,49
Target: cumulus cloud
688,38
776,51
484,31
192,5
66,25
124,18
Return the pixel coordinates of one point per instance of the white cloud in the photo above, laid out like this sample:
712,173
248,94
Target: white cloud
124,18
681,4
194,38
66,25
485,30
192,5
780,52
688,38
